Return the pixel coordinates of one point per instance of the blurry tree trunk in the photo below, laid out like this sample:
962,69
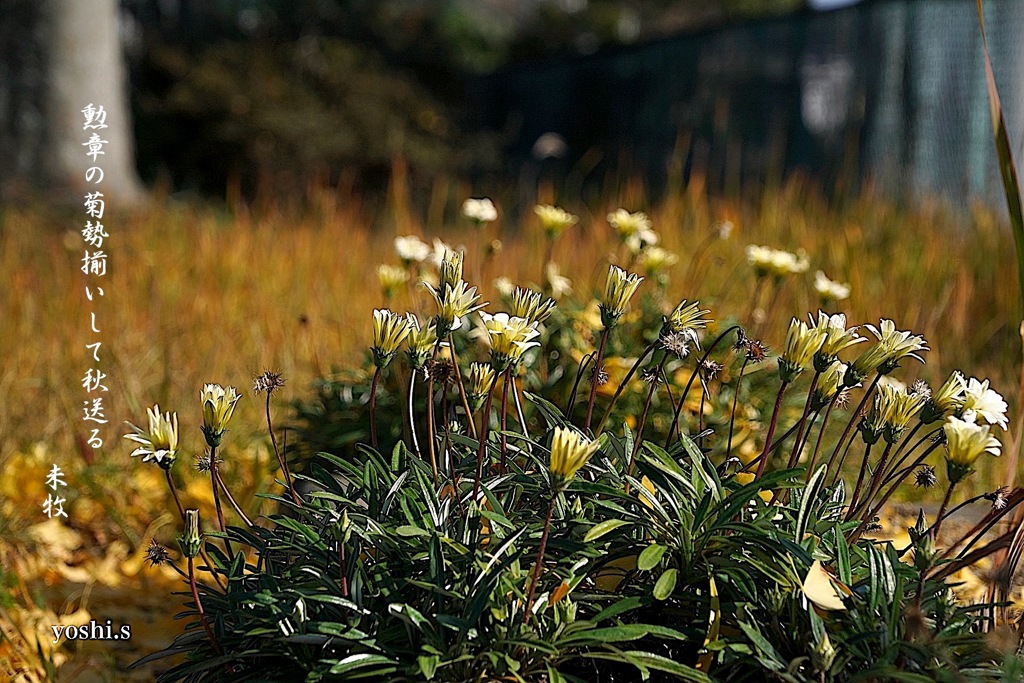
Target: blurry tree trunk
58,57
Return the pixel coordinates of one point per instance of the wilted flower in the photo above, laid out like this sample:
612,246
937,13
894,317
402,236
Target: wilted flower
570,451
998,498
479,383
391,278
828,290
268,381
420,343
651,375
966,441
204,462
837,339
776,262
984,402
190,540
949,399
676,342
709,369
156,554
802,343
454,303
531,305
389,331
755,348
411,249
558,285
479,210
554,220
619,289
160,442
509,337
450,270
218,407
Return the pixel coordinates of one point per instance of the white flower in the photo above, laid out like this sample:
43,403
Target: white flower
829,290
479,210
768,261
510,337
967,441
411,249
984,402
440,252
218,407
557,283
724,229
627,224
159,443
554,220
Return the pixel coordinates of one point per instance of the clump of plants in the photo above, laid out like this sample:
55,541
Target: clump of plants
469,542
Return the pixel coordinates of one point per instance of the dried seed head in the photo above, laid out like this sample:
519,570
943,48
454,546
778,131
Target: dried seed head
156,554
756,350
269,382
442,371
677,343
843,399
920,388
998,498
925,477
651,375
709,369
599,375
203,463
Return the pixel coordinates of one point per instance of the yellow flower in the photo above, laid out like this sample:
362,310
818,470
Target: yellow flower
509,337
619,289
802,342
984,402
411,249
687,317
627,224
531,305
479,383
190,539
570,451
947,400
966,441
828,290
479,211
450,270
391,278
837,339
775,262
554,220
656,260
389,331
819,589
895,406
885,356
829,384
420,343
454,302
160,442
218,407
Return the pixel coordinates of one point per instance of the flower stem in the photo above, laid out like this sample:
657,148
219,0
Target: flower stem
462,387
535,574
373,407
199,606
596,378
231,499
214,477
821,433
771,431
622,385
643,422
795,457
485,422
942,512
849,425
860,477
504,416
431,427
735,400
412,415
280,458
174,492
682,397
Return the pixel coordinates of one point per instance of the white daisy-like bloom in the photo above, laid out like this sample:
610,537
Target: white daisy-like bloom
985,403
641,240
479,210
966,441
509,337
411,249
159,443
627,224
776,262
830,290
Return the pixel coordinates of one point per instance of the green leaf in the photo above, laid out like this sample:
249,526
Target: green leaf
650,557
428,665
809,498
408,531
599,530
666,584
378,663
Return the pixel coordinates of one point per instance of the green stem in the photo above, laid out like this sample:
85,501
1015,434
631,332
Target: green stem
596,378
373,407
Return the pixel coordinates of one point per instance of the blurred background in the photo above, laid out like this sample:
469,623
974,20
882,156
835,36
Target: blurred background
264,154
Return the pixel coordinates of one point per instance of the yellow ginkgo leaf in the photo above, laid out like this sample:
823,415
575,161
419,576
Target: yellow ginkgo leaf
820,590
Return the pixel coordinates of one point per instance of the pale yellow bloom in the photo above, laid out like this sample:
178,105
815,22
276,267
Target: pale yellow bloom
389,331
894,407
554,220
829,384
802,342
159,443
420,343
479,210
570,451
509,337
391,278
837,338
775,262
411,249
534,306
628,224
984,402
504,286
966,441
828,290
819,589
479,383
885,356
655,260
450,270
619,289
453,304
947,400
218,407
688,316
640,241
